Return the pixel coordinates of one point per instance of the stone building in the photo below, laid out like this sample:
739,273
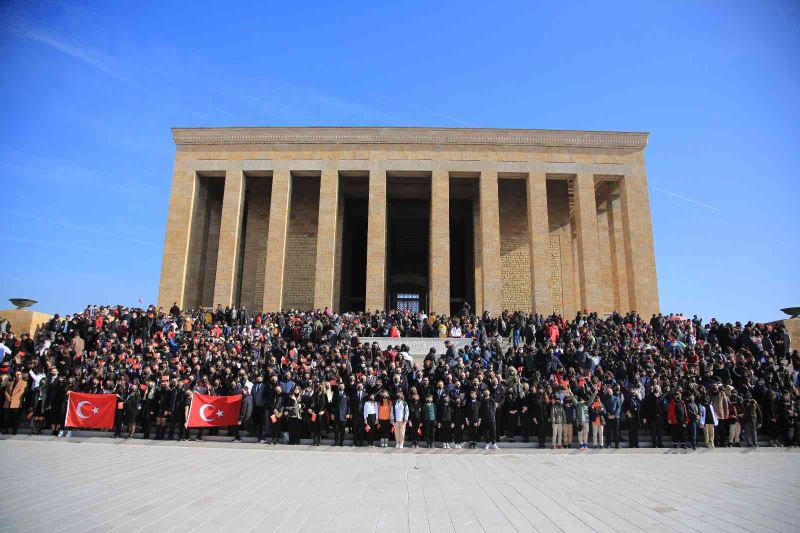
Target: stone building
428,218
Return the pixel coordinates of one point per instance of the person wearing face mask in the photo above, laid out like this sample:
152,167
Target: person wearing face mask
275,418
400,415
258,394
371,419
341,414
633,409
583,417
458,421
558,419
570,413
429,419
653,408
444,422
472,416
293,411
385,418
488,419
319,413
678,419
415,418
693,411
357,403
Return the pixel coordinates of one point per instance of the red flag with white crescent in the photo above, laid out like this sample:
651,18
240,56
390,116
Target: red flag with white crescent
209,411
90,410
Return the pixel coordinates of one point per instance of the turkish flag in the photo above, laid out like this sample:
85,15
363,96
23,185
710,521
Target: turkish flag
90,410
209,411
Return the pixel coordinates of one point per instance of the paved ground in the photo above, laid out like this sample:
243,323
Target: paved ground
99,484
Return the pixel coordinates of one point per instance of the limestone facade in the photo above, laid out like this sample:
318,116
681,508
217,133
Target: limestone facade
556,221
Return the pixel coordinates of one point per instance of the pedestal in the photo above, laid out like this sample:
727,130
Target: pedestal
25,321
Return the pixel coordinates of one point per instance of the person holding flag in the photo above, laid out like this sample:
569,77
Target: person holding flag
205,411
94,411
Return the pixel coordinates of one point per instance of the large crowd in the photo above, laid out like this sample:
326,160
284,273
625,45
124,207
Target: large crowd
585,382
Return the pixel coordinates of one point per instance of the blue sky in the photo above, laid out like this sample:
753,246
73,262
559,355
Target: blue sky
90,91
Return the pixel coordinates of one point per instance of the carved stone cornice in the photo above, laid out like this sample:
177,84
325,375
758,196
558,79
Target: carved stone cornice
430,136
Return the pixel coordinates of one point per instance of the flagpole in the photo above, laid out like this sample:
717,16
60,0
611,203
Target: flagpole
66,414
190,411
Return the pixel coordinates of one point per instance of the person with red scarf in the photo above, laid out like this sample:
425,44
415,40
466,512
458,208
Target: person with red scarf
678,419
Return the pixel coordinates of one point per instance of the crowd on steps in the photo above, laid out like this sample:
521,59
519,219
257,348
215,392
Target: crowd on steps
583,381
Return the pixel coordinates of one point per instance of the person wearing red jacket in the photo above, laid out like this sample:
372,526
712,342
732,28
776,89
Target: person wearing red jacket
677,418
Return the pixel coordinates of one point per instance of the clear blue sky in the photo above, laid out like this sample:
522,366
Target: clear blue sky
90,91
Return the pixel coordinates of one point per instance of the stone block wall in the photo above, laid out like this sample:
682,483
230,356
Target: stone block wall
301,244
515,264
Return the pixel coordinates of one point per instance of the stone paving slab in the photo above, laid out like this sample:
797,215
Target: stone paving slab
100,484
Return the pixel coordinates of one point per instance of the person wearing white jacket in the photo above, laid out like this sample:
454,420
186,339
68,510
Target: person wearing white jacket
400,419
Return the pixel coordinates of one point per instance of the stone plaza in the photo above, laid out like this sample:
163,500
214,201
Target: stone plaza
98,484
409,218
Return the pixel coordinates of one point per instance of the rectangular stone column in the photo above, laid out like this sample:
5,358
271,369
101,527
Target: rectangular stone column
539,243
376,241
490,242
616,234
176,242
587,243
607,286
230,233
440,243
641,261
276,239
326,239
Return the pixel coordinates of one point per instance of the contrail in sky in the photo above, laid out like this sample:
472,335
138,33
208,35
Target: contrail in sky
676,195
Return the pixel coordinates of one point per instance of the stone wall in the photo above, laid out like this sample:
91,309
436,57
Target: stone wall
301,244
515,264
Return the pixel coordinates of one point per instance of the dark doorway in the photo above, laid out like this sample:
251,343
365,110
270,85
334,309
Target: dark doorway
354,255
407,257
462,262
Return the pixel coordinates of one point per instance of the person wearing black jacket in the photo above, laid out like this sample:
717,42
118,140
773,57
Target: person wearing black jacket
459,421
633,410
540,409
172,408
341,413
444,421
472,414
415,418
183,402
319,414
164,405
357,411
488,419
259,394
653,411
275,413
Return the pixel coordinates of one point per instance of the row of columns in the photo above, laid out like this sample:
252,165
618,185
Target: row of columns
488,255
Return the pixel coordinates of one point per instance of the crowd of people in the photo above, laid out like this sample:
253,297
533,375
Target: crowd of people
590,381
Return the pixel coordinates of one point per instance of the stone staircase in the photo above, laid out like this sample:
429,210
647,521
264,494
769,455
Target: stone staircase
223,437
